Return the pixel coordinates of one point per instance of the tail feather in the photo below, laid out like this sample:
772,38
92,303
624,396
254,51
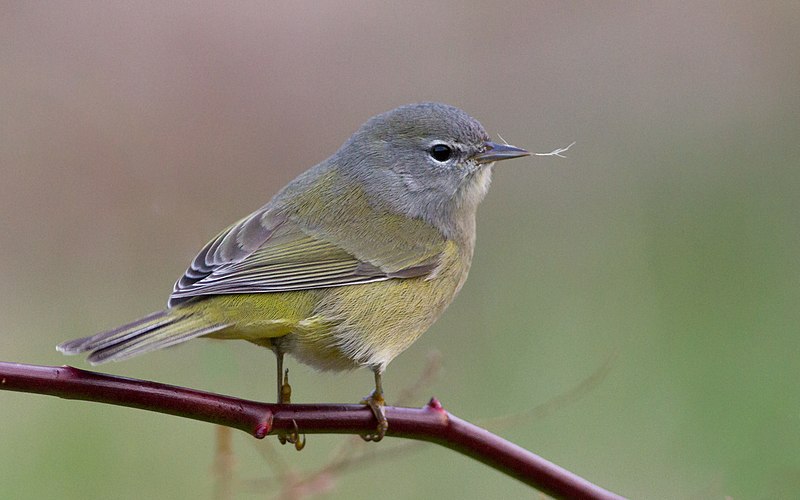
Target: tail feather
156,331
146,342
119,334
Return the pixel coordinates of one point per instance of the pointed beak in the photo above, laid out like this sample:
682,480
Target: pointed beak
497,152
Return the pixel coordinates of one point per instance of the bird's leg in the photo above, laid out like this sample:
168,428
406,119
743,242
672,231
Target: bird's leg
378,406
284,389
279,363
285,397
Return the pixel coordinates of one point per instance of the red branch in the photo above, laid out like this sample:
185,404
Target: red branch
430,423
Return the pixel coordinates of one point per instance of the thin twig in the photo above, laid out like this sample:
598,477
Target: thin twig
556,402
223,464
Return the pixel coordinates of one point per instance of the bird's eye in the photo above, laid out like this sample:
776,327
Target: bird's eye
441,152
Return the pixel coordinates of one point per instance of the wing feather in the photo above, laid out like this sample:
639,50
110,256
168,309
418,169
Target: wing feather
263,253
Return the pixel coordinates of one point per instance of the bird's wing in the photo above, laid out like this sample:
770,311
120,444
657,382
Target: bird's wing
263,253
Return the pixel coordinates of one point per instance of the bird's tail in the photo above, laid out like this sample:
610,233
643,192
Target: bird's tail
158,330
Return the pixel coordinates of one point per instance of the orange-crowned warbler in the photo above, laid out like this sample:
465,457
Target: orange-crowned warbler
348,264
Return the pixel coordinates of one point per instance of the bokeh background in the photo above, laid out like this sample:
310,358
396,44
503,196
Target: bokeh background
131,132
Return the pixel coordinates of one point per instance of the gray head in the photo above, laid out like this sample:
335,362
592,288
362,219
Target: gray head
427,160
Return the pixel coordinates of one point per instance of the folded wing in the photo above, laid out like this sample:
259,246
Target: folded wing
263,253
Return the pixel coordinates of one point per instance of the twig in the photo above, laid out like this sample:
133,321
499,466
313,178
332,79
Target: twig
555,403
430,423
223,464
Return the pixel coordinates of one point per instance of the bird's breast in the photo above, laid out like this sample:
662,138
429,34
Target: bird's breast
372,323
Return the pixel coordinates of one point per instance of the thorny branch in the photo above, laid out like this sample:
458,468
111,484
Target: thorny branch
430,423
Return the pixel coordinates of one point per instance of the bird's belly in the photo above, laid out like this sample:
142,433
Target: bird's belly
347,327
370,324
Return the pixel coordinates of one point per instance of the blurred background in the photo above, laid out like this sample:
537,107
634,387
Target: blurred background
132,132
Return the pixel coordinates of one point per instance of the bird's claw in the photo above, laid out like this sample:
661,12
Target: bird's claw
293,438
377,404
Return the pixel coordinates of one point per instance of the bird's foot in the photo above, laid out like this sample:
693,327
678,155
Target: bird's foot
377,404
293,438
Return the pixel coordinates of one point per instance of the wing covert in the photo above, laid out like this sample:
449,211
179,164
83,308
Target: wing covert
263,253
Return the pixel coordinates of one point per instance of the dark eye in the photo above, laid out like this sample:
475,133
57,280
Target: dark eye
441,152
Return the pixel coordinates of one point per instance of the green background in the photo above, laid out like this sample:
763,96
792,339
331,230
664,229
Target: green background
130,133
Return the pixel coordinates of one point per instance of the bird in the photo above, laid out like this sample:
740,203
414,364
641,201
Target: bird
348,264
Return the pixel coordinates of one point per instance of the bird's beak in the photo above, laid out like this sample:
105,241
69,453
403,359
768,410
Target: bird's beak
497,152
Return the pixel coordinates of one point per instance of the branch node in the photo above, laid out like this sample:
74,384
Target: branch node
435,405
263,428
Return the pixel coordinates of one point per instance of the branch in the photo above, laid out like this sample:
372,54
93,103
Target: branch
430,423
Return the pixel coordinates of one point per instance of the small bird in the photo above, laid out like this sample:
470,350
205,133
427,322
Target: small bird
348,264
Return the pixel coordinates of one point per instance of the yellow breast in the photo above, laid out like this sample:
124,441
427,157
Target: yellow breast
370,324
